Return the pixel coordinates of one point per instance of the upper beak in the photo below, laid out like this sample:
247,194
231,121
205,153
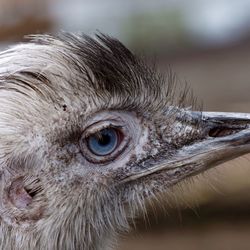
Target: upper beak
225,136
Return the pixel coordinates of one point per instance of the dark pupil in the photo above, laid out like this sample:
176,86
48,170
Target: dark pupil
103,142
104,139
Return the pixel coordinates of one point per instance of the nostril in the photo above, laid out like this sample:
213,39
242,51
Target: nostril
222,131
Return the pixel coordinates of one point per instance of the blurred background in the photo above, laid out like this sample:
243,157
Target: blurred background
207,43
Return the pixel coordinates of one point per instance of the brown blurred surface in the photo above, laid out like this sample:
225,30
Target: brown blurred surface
217,236
19,18
28,25
219,77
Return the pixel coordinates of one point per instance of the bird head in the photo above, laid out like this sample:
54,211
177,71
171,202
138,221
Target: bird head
88,133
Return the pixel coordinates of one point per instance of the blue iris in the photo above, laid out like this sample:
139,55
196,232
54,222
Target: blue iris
104,142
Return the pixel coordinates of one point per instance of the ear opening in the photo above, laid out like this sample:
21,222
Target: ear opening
23,201
18,195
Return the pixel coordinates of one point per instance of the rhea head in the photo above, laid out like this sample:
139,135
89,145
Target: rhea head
88,133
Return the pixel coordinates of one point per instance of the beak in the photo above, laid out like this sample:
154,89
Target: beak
224,136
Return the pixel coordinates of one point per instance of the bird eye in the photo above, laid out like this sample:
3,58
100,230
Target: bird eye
103,142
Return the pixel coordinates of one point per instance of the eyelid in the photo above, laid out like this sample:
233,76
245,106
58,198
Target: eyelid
98,126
